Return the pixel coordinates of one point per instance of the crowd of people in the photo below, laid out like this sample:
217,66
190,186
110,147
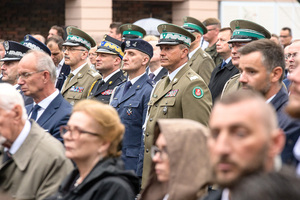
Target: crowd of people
204,111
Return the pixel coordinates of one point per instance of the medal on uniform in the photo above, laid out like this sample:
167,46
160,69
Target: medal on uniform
129,111
165,110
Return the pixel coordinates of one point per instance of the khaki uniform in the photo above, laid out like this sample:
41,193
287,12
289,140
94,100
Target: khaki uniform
79,85
212,51
231,85
202,64
187,96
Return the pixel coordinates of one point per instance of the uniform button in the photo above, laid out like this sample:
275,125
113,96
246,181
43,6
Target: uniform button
147,150
147,134
150,119
118,106
155,105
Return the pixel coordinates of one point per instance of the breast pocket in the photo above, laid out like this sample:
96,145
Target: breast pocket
132,110
166,105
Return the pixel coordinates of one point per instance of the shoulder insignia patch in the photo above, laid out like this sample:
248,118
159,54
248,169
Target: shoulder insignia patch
198,92
194,78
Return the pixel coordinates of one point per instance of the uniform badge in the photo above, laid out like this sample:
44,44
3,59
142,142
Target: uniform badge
129,111
110,82
6,45
107,92
77,89
127,43
134,44
193,78
165,110
26,37
198,92
172,93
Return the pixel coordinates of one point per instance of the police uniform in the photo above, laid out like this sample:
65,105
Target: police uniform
186,96
35,44
132,108
200,61
102,90
131,31
78,87
243,31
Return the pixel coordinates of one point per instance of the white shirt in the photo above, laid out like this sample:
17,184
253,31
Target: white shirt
193,52
136,78
45,103
174,73
156,71
270,99
20,139
77,70
58,68
225,194
109,76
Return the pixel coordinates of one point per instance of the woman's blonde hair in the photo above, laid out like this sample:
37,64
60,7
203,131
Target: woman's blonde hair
107,117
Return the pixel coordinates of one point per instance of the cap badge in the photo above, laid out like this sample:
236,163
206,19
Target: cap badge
6,45
127,43
26,37
134,44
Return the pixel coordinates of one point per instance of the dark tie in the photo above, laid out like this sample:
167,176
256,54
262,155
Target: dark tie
223,64
34,112
6,156
151,76
167,81
69,78
127,86
100,84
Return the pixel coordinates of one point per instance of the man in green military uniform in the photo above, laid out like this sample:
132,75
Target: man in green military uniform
213,26
243,32
199,60
131,31
181,94
81,77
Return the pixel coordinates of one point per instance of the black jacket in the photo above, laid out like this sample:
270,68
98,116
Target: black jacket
107,181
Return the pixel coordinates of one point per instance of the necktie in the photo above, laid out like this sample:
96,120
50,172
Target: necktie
223,64
34,112
69,78
127,86
167,81
6,156
151,76
100,84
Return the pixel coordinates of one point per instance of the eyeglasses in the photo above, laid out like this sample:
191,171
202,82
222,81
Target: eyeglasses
291,55
72,49
237,45
75,132
163,154
26,75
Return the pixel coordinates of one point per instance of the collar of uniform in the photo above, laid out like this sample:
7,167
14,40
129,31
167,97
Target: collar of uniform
193,52
156,71
136,78
109,76
78,69
175,72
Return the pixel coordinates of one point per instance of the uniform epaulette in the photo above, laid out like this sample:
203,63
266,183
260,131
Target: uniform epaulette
94,74
192,76
234,76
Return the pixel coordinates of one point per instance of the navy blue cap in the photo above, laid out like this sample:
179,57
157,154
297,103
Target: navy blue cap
111,46
14,51
138,44
32,43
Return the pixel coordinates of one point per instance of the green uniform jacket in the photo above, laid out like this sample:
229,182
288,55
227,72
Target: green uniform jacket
212,51
79,85
231,85
202,64
187,96
37,168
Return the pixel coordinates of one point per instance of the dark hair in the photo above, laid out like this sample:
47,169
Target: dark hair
58,40
226,29
271,186
60,30
272,54
116,25
287,29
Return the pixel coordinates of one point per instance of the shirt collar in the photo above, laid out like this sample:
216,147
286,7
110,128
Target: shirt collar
109,76
174,73
45,102
136,78
156,71
193,52
78,69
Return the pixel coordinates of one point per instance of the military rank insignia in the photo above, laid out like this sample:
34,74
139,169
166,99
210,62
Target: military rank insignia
198,92
76,89
172,93
107,92
129,111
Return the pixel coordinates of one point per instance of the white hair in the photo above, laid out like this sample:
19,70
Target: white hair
11,97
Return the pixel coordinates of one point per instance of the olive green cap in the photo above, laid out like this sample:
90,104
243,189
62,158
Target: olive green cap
171,34
194,25
247,31
131,31
77,37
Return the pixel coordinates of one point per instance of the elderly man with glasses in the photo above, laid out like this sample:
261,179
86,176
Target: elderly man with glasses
76,50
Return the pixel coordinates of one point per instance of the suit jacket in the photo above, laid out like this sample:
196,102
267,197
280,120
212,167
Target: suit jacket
163,72
219,77
187,96
290,126
103,92
79,85
37,168
56,114
202,64
213,195
64,72
27,100
132,109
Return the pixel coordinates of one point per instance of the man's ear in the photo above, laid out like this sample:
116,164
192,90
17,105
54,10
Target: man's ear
277,142
17,113
276,74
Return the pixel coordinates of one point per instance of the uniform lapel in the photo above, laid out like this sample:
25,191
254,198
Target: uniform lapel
50,110
109,82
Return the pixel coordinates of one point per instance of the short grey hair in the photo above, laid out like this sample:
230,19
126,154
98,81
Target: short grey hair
44,63
11,97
